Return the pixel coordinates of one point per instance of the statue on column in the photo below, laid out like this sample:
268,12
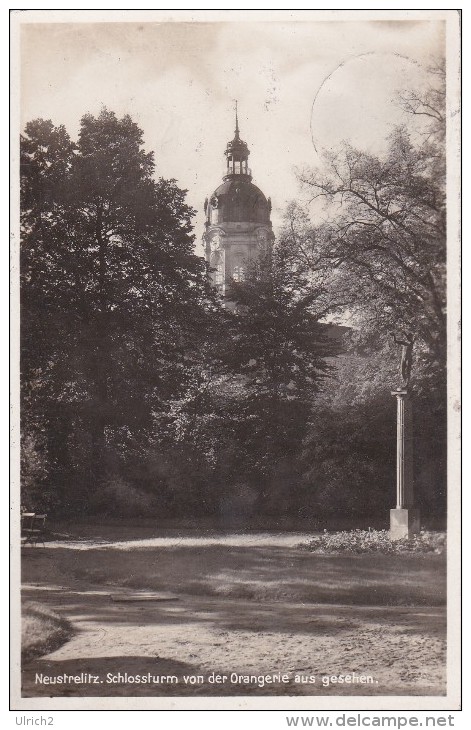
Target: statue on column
407,343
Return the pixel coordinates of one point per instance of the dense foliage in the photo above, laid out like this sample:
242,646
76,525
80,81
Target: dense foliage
142,395
282,356
114,305
379,255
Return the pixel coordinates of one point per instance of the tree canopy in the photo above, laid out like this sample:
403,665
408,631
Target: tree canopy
372,233
114,299
381,247
141,393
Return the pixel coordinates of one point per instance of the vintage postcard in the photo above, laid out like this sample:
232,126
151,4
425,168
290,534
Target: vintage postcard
236,389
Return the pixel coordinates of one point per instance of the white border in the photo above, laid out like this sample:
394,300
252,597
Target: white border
371,704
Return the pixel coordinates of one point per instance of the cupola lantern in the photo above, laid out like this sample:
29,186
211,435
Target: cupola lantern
237,217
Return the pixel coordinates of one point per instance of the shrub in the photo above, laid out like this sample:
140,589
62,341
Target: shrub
121,498
371,541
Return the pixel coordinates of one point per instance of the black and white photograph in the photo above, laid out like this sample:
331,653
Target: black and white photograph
236,393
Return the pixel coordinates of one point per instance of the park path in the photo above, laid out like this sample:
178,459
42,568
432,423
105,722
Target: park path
249,539
144,605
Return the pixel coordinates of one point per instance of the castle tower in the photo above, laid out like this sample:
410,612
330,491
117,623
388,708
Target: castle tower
237,218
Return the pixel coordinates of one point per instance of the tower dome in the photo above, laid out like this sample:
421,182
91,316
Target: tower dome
237,217
238,200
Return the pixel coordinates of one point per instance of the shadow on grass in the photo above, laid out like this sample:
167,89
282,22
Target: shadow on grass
264,589
230,614
271,590
250,573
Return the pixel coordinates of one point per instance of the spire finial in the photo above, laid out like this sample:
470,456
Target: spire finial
237,121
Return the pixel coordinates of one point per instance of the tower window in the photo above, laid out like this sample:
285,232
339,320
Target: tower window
238,273
217,263
219,278
239,268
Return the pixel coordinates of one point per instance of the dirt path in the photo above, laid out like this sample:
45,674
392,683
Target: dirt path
236,606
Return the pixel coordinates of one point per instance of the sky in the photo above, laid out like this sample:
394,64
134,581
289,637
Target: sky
302,87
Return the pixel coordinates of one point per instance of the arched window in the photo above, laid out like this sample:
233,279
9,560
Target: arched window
220,271
238,272
217,264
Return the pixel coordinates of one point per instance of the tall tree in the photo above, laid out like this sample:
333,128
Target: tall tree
382,245
379,256
114,299
281,354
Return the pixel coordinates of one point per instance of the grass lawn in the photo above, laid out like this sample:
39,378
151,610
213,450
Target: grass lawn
42,630
179,605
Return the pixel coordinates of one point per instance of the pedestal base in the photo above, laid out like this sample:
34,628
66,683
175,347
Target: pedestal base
404,522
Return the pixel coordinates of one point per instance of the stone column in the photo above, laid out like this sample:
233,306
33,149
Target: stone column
405,518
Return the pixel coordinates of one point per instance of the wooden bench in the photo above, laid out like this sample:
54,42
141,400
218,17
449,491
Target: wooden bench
33,528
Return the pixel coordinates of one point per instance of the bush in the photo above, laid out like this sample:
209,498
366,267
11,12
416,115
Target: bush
120,498
375,541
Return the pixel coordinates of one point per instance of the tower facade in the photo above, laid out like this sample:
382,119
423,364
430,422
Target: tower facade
237,218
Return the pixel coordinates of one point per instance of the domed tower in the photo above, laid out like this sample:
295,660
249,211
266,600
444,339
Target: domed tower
237,218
